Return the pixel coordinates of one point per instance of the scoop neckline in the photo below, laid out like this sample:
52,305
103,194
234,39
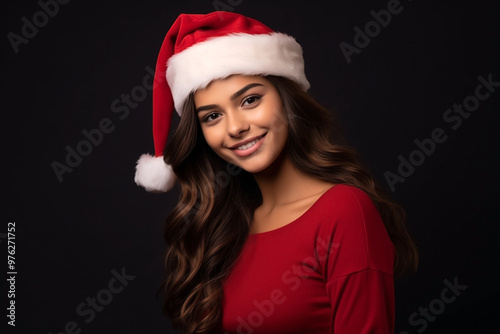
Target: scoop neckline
294,222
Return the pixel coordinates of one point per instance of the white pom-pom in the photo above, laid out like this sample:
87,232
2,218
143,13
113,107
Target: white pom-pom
154,174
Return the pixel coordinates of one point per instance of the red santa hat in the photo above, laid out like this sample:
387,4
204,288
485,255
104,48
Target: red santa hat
198,49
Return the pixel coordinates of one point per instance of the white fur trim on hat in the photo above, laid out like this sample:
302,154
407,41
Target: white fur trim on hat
154,174
219,57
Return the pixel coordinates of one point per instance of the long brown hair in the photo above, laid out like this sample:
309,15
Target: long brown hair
207,228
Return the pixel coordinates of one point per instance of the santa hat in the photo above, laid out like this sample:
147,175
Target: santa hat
198,49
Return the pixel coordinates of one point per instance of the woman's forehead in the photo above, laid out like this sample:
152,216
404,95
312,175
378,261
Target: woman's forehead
226,87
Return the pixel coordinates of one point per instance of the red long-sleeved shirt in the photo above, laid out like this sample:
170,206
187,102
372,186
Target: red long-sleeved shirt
329,271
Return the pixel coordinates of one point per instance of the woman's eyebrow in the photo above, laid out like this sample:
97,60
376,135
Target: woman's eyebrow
243,90
232,97
207,107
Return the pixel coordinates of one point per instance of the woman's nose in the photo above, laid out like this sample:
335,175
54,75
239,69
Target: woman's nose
236,124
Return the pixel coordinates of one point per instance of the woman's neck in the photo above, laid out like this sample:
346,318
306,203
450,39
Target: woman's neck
281,184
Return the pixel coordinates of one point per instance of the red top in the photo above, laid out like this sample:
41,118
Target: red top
328,271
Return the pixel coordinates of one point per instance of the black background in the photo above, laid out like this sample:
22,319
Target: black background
70,235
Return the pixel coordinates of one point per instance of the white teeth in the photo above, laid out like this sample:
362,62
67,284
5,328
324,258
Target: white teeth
250,144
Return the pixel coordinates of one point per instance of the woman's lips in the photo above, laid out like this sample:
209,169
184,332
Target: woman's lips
248,147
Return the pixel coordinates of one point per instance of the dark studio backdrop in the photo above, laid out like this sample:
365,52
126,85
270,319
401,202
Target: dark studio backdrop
417,93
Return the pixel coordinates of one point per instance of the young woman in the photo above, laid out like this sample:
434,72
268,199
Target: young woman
278,228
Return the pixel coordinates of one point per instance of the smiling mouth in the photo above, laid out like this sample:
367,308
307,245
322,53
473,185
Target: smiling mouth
248,147
249,144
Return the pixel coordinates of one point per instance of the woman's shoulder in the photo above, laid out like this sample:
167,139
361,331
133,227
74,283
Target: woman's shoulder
345,197
345,208
348,221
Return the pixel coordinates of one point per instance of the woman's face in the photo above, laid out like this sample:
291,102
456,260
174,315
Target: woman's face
243,121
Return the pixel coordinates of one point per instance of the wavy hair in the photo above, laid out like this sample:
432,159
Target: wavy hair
207,228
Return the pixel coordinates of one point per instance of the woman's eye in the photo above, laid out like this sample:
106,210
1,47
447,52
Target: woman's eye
210,117
250,100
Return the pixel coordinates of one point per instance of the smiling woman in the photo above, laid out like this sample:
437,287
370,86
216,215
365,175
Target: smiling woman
242,121
302,239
